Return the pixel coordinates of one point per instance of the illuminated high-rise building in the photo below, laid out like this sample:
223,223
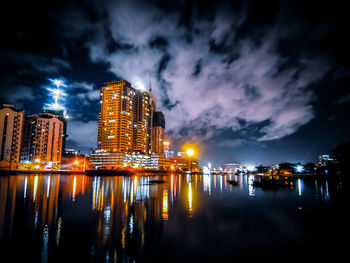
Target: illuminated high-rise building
42,138
116,118
11,121
125,126
62,116
158,126
145,105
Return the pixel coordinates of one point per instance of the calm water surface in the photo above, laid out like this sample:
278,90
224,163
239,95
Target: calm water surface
186,218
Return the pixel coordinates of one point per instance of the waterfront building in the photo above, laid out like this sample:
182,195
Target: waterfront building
159,162
11,122
114,160
324,159
142,141
116,117
73,160
231,167
106,160
42,139
126,126
137,161
62,116
178,163
181,154
158,127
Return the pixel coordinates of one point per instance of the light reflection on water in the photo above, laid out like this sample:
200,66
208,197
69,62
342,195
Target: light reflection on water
122,219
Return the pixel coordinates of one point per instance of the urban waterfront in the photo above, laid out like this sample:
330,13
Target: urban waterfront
169,218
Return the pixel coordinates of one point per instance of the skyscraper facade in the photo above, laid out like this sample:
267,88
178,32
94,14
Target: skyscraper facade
143,123
42,138
116,118
125,123
11,121
60,114
158,126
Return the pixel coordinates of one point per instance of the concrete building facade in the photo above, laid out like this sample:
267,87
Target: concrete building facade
11,122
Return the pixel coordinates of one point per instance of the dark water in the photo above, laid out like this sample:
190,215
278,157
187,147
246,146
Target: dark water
198,218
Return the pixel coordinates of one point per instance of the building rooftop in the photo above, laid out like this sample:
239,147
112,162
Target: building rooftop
11,106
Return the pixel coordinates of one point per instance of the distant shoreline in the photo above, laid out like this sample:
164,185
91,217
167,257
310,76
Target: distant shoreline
89,172
130,173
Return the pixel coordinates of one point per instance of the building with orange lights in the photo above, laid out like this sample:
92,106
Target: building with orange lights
125,125
11,121
143,123
116,117
42,138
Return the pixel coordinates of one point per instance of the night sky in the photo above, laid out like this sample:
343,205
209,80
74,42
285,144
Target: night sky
248,81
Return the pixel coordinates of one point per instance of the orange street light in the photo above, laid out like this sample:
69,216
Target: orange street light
190,152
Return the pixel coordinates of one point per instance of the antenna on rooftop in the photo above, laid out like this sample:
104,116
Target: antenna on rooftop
150,83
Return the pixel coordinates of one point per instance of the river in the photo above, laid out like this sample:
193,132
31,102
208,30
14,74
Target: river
169,218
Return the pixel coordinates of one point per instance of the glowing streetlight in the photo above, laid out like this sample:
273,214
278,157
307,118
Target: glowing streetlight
37,160
190,152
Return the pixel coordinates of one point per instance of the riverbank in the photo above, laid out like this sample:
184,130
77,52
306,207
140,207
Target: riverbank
91,172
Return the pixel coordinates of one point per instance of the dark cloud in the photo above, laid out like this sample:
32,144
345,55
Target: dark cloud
260,71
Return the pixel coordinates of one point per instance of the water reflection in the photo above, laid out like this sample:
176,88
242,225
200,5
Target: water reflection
126,219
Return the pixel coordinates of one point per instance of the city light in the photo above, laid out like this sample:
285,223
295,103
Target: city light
139,84
206,170
299,168
190,152
57,95
250,168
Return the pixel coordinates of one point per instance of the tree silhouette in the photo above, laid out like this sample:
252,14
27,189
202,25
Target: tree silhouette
342,154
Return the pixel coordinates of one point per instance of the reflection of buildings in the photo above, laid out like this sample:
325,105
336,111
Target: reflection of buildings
11,121
127,208
42,138
122,218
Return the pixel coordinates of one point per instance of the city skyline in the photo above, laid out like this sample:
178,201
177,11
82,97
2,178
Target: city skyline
245,86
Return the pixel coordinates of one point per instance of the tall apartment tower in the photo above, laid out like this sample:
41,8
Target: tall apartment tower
11,121
117,116
59,114
158,126
42,138
143,123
